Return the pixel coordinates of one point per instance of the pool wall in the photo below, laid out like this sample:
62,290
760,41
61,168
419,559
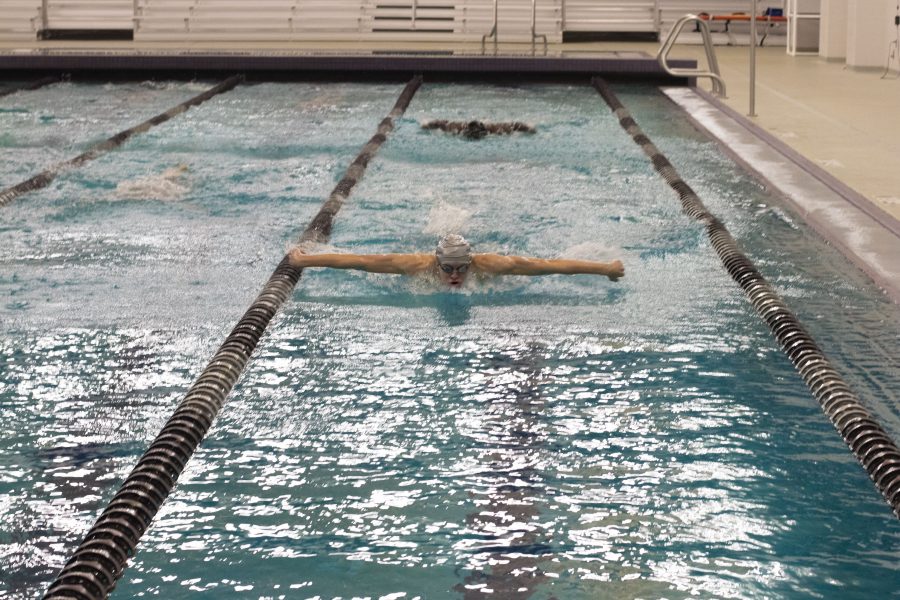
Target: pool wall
367,65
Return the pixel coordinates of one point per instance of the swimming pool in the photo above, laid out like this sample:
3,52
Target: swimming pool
559,436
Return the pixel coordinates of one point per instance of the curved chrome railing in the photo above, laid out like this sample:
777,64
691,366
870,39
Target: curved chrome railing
492,33
718,84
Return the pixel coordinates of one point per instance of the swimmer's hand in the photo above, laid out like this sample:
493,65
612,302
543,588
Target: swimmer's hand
295,256
616,270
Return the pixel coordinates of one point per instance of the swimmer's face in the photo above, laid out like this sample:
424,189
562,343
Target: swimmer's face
453,275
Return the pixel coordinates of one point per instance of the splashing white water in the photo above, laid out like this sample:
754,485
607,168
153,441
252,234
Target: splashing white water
162,186
313,247
445,218
322,101
591,251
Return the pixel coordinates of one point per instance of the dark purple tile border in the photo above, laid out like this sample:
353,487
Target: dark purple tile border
336,63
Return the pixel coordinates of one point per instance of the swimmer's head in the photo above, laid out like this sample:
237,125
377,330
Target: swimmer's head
454,256
475,130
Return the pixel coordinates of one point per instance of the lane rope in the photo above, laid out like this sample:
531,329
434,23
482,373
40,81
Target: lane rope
44,178
867,439
33,85
98,563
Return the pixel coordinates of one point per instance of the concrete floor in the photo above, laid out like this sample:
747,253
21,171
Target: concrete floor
845,121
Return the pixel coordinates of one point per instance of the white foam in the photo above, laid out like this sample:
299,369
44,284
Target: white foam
314,247
445,218
591,251
162,186
328,100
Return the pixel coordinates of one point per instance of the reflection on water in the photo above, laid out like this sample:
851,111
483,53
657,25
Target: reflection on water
507,541
556,437
77,407
454,310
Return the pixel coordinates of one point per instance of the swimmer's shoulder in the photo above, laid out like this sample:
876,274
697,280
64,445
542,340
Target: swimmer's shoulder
489,264
416,264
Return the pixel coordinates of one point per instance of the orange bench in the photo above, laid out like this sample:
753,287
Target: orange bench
770,21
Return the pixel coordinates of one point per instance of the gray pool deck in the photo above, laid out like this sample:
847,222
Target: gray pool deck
826,136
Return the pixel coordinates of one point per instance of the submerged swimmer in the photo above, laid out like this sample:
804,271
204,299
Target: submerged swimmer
162,186
453,261
475,130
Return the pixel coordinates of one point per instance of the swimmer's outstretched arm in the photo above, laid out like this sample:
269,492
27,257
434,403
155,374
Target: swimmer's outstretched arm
444,125
496,264
399,264
508,128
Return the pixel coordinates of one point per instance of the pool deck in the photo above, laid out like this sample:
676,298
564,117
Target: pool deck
841,126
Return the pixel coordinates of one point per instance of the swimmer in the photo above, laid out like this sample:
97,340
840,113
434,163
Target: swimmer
174,172
162,186
475,130
453,261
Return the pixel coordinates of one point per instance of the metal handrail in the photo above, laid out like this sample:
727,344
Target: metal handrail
718,84
492,33
534,35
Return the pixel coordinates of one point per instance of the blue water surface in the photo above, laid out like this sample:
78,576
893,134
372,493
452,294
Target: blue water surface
557,437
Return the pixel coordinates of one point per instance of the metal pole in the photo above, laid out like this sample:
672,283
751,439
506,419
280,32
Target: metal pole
44,20
752,112
533,19
496,26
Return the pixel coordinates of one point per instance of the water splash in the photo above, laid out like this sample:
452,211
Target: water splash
323,100
166,186
591,251
446,218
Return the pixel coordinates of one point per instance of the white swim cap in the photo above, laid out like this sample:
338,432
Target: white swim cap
453,249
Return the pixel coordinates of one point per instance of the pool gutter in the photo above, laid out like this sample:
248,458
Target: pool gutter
868,236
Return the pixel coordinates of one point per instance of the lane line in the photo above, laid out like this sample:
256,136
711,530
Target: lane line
44,178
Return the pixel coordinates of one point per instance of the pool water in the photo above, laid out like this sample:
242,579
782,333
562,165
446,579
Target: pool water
555,437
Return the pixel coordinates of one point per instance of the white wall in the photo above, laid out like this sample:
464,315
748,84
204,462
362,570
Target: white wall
833,29
870,30
891,35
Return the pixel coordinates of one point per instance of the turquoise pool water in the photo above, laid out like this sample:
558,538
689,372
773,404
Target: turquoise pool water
560,437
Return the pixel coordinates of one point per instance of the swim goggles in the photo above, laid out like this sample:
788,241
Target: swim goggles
450,268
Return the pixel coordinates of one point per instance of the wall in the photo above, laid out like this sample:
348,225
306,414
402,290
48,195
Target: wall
870,30
833,30
892,34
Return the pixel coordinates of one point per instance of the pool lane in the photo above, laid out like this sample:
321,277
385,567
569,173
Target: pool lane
31,85
867,439
45,177
509,543
100,559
